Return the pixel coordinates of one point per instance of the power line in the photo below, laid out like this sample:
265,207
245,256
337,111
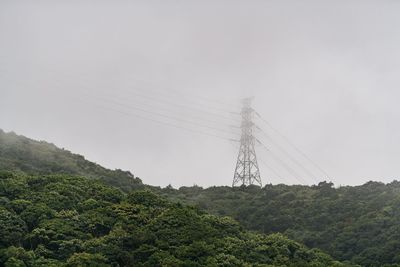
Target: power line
129,114
155,95
186,108
162,115
194,98
290,170
272,169
202,125
144,95
153,107
152,97
157,121
295,147
196,109
282,150
198,97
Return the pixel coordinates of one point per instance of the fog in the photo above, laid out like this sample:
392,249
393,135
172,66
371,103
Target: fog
146,85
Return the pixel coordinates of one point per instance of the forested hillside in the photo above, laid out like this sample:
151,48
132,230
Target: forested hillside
18,153
62,220
360,224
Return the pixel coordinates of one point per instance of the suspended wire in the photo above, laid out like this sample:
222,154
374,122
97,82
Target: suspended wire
144,93
272,170
129,114
291,171
295,161
196,109
276,158
295,147
184,107
192,98
187,113
143,117
214,100
283,164
156,99
161,115
199,97
288,170
181,106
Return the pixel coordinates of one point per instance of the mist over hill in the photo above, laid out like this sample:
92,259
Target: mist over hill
358,225
62,220
21,154
258,102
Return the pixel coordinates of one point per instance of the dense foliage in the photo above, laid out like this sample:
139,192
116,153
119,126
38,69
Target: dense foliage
22,154
357,224
62,220
360,224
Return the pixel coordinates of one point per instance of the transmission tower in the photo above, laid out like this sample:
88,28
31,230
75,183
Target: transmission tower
247,171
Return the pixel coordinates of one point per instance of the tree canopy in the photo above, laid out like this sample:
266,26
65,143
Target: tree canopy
358,224
62,220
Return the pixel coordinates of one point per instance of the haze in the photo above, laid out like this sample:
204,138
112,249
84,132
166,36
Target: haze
324,73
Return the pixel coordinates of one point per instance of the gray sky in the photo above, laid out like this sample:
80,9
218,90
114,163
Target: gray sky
100,77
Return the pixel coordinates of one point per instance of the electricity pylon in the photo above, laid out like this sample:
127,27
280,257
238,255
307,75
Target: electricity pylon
247,171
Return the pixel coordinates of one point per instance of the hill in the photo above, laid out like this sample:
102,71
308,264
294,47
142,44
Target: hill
360,224
19,153
356,224
62,220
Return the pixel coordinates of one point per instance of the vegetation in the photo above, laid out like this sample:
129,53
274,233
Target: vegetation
62,220
360,224
21,154
44,217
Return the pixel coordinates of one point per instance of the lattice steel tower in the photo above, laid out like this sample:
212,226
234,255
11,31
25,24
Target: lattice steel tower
247,171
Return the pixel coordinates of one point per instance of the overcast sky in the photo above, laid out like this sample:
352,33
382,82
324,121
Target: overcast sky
145,85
